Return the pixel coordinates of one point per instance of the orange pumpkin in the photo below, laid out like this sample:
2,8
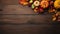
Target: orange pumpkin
44,4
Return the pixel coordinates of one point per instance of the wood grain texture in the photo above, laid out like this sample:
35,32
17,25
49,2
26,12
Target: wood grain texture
9,2
26,19
26,29
18,19
21,14
17,9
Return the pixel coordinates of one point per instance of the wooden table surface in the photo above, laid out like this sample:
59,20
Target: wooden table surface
18,19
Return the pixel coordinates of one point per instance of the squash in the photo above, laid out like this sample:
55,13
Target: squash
31,1
57,4
23,2
44,4
32,6
36,3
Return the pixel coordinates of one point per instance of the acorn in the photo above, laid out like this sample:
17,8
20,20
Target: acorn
58,13
36,9
54,17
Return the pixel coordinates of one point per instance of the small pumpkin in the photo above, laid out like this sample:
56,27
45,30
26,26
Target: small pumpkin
44,4
36,3
57,4
54,17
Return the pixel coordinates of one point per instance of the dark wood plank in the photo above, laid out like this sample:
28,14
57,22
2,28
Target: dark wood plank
26,29
17,9
45,19
9,2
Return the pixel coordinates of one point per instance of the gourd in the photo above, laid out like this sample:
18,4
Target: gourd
32,6
36,3
31,1
57,4
23,2
44,4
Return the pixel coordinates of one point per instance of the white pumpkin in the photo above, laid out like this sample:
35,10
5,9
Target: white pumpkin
36,3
